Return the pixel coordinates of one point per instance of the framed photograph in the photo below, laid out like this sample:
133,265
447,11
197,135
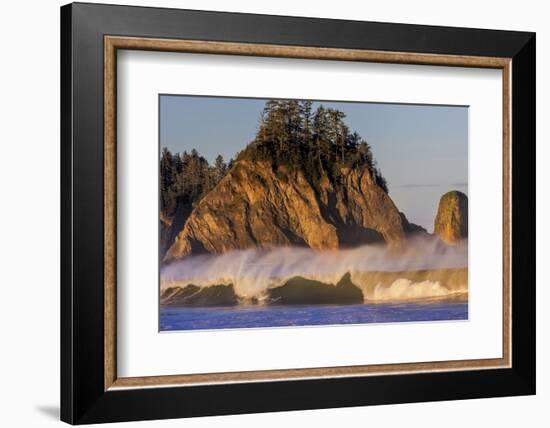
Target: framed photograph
266,213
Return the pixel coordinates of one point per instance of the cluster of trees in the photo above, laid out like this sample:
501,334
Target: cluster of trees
319,141
290,133
187,177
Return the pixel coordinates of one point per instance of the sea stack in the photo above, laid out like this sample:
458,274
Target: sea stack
451,221
255,205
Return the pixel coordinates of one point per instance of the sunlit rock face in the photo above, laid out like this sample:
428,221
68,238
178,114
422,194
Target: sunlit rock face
257,206
451,221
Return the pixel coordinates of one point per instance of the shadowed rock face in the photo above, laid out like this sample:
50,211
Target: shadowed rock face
254,206
171,226
451,221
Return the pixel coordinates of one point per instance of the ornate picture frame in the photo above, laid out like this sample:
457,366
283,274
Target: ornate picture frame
92,391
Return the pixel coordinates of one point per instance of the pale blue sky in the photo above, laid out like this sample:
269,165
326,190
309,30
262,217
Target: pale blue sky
422,150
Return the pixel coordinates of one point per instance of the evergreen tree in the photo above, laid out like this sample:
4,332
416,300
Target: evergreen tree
321,135
220,168
289,133
167,177
186,178
317,141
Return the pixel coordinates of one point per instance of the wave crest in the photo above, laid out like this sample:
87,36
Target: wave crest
253,272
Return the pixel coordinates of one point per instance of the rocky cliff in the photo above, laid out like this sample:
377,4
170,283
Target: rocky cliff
255,205
451,221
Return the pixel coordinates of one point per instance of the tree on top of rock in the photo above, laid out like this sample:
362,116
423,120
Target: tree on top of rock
319,141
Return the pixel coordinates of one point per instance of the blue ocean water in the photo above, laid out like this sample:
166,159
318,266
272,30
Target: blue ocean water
187,318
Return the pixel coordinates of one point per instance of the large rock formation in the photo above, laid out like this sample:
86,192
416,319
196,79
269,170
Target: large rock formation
255,205
451,221
171,226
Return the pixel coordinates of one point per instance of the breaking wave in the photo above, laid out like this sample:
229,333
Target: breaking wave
405,289
253,272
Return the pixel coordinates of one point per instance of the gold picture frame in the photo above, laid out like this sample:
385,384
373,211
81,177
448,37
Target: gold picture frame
114,43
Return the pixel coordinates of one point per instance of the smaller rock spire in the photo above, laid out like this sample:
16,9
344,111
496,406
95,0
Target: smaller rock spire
451,221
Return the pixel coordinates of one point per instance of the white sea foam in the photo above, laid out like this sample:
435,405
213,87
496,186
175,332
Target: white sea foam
253,271
405,289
